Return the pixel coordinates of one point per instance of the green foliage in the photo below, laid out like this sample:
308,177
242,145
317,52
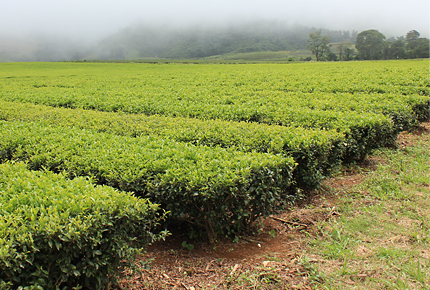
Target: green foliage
317,152
318,44
345,50
61,233
190,247
252,117
344,97
233,144
416,47
371,44
216,188
397,49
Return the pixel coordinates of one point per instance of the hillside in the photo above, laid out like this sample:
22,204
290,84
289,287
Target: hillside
163,42
145,42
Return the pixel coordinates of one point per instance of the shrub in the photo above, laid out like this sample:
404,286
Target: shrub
56,232
317,152
215,188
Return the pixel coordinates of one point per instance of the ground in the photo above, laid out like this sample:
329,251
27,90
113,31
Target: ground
281,254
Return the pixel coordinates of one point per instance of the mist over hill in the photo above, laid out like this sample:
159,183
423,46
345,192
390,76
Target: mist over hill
143,41
148,41
42,48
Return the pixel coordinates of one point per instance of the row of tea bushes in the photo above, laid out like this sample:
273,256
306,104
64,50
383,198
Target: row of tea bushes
362,132
356,99
152,89
360,128
317,152
217,188
57,233
247,92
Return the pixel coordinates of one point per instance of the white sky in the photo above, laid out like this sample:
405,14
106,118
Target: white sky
95,19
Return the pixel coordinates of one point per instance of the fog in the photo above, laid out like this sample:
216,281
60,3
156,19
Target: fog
87,22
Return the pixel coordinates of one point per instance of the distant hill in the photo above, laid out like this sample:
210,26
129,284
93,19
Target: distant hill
149,42
145,41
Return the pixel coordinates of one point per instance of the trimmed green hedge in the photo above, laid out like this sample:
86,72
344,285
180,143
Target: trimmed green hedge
219,189
363,131
56,232
317,152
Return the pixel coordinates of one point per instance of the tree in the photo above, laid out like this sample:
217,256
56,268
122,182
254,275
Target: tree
345,51
397,48
412,36
318,44
331,56
420,49
349,54
371,44
416,47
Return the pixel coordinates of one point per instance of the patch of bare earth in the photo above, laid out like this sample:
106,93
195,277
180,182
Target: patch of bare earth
268,260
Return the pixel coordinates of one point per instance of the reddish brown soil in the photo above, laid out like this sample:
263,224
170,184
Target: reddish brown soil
268,260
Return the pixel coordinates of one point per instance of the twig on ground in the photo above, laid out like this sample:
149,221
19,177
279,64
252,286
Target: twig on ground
288,222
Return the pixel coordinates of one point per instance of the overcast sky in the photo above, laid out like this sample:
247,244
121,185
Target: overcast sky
96,19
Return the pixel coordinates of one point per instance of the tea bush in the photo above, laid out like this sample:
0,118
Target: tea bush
56,232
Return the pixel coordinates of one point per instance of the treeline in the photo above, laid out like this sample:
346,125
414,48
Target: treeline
409,46
369,45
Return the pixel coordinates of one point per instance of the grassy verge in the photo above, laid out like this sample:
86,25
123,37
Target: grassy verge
381,240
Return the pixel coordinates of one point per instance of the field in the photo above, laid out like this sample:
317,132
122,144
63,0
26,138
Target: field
211,149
